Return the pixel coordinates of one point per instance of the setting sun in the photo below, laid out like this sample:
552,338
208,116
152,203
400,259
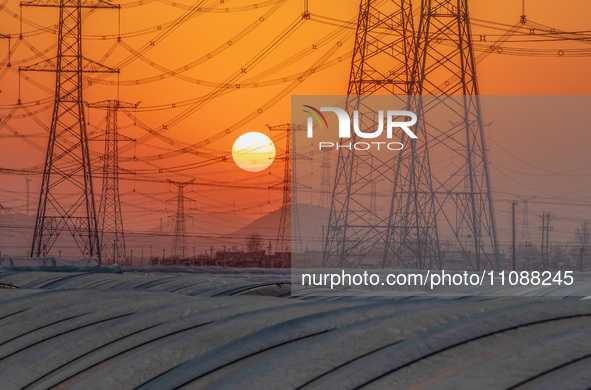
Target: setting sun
253,152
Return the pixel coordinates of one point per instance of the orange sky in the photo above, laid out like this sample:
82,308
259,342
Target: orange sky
210,33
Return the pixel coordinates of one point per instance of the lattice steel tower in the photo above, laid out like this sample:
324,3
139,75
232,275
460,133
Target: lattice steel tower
454,202
428,205
67,162
110,219
288,234
284,233
179,240
381,64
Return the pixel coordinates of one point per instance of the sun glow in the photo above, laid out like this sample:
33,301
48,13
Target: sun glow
253,152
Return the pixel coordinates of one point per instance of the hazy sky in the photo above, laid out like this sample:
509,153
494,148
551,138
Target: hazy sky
222,46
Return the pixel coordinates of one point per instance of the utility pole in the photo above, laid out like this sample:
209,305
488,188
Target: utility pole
548,228
27,183
542,251
525,223
179,241
67,161
110,219
545,240
514,254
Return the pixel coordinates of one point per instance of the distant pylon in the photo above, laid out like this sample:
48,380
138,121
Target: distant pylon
455,204
110,219
179,240
545,264
525,219
67,162
284,233
325,184
525,223
382,63
283,241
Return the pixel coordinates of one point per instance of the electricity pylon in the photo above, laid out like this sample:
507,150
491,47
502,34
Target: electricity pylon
67,162
524,238
179,240
283,241
284,233
427,204
381,64
455,203
110,219
289,219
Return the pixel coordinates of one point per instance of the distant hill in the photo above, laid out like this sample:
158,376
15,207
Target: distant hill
204,231
312,224
204,224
